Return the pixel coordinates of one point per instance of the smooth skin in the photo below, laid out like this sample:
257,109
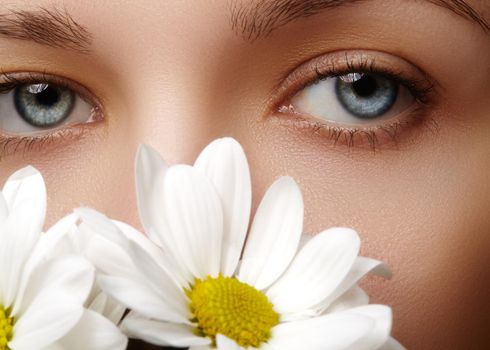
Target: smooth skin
175,75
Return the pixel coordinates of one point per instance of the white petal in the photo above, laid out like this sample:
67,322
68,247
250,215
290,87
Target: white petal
316,271
333,331
224,163
392,344
159,278
95,223
27,184
98,304
46,321
149,166
161,333
106,306
94,332
55,242
382,317
351,298
108,245
4,210
109,258
70,274
139,296
274,236
194,215
18,236
156,252
360,268
225,343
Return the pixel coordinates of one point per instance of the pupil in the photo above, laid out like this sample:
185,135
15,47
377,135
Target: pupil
365,87
48,97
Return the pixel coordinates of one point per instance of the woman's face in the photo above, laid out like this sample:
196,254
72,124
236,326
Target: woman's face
380,111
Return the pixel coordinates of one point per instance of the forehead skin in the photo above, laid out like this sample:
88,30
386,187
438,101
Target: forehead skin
173,74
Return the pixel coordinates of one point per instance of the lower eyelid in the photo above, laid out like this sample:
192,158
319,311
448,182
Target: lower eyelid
13,144
387,136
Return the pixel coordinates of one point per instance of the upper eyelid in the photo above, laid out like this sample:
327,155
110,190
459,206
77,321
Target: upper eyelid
12,79
306,72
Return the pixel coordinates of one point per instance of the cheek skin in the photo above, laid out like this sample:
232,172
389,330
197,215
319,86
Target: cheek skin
425,213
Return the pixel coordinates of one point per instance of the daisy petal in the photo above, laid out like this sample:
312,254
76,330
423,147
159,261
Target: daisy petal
352,298
224,163
159,278
139,296
94,332
52,243
156,252
27,184
107,307
4,210
316,271
108,257
274,236
18,239
225,343
46,321
71,274
360,268
333,331
382,317
149,166
95,223
392,344
161,333
193,212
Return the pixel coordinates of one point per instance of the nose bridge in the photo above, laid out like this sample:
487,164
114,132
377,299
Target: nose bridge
171,97
171,117
166,67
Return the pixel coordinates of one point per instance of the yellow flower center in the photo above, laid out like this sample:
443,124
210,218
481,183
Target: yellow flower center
226,306
6,328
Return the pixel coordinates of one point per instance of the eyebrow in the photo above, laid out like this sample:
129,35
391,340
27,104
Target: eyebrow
50,27
265,16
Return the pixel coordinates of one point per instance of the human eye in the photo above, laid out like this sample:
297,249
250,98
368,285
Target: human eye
36,108
357,98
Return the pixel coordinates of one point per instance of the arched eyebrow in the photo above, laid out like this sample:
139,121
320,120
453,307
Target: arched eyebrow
50,27
264,16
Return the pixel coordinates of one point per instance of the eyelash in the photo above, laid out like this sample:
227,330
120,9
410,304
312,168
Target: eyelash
421,90
13,144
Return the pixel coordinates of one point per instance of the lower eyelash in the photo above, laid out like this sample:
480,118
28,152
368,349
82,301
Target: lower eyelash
376,138
10,144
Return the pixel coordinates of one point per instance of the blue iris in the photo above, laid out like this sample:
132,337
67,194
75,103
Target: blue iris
370,96
43,105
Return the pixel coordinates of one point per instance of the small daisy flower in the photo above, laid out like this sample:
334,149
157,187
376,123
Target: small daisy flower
41,299
42,293
197,283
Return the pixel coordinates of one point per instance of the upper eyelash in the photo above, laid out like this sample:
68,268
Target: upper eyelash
420,89
8,81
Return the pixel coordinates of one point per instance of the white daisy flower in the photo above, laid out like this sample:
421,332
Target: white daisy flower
41,295
198,284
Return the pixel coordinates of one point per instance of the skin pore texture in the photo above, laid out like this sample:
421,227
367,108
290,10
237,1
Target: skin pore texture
177,74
